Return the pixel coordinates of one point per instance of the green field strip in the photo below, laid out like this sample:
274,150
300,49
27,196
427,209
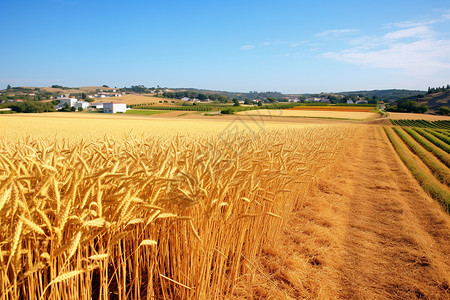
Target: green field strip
442,124
444,132
433,139
439,170
438,125
144,112
428,124
436,151
430,185
442,137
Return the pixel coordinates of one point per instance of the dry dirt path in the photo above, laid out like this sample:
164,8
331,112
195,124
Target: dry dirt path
366,231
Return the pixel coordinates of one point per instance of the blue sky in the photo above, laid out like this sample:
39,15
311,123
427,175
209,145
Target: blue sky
287,46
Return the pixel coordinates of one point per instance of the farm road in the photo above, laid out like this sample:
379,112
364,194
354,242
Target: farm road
366,231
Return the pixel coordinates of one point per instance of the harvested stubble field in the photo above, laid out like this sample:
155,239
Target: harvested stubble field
51,126
140,99
409,116
353,115
334,108
155,216
366,230
126,207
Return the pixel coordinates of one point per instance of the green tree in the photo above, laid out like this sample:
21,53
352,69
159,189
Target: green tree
236,102
227,111
260,103
222,98
444,110
66,107
8,87
80,108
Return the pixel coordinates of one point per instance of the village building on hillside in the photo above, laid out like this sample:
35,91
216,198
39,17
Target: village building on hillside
82,104
97,105
105,95
113,108
316,99
63,100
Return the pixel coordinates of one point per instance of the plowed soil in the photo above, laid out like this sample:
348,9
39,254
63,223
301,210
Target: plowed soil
366,230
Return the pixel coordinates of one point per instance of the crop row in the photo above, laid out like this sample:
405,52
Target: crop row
428,163
440,171
440,135
441,124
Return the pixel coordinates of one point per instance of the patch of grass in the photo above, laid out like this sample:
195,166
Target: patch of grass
144,112
227,111
430,185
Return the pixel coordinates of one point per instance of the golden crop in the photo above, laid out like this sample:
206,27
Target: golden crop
157,217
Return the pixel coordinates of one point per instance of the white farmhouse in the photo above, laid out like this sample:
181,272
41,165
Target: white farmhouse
362,102
63,101
97,105
113,108
63,96
82,104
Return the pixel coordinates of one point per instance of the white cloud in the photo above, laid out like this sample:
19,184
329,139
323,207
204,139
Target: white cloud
415,49
444,16
406,24
414,32
336,32
247,47
425,56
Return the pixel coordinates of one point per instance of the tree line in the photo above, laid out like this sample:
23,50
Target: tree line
196,95
408,106
438,89
30,106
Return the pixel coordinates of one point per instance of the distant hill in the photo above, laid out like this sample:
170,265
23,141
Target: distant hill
387,95
436,100
204,91
393,94
54,90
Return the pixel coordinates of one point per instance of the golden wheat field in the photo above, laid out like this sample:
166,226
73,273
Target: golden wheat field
410,116
140,99
145,209
312,114
59,126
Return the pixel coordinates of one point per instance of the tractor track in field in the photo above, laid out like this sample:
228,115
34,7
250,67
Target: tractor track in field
367,230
